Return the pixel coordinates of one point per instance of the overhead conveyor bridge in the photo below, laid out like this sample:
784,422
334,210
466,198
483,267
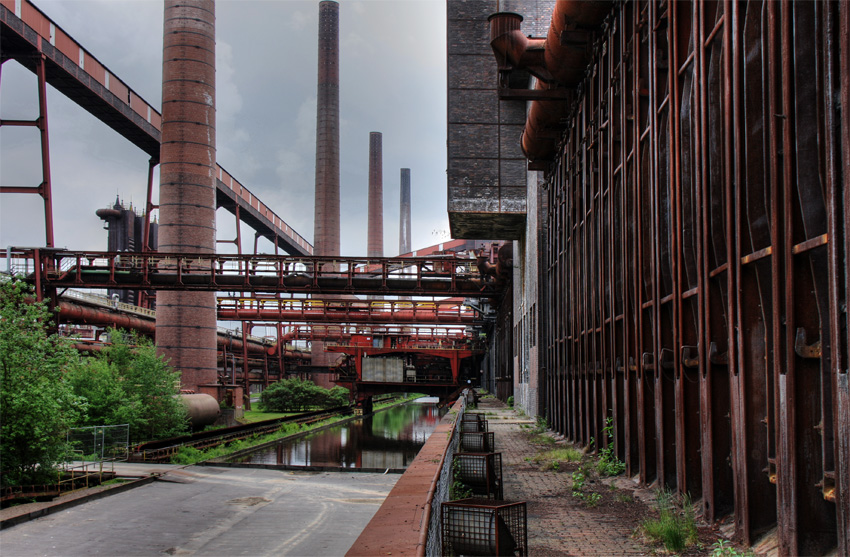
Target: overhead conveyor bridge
439,276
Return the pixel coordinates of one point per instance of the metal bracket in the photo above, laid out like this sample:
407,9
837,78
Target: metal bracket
690,356
811,351
716,357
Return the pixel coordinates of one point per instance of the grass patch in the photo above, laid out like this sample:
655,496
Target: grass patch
541,439
675,527
552,459
624,498
116,481
252,416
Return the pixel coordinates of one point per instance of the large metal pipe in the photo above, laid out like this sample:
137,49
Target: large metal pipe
560,60
375,222
326,223
93,316
75,313
186,323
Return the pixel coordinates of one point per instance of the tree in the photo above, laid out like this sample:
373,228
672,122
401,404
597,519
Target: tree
127,383
296,395
36,405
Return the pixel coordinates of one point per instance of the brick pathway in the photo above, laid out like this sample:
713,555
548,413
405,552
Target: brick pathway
558,523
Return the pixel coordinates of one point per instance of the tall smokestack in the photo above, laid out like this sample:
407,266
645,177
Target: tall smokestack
404,212
186,321
375,239
326,223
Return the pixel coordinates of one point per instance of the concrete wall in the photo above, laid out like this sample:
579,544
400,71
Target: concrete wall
526,281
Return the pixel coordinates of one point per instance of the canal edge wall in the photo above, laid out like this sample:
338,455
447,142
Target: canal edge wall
403,523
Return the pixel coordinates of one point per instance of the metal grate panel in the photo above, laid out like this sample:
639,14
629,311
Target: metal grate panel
481,472
477,442
481,527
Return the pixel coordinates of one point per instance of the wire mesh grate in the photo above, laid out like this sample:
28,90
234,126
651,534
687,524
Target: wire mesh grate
477,442
482,473
472,423
482,527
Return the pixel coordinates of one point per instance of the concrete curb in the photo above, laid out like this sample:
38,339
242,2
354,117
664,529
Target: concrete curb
295,468
62,505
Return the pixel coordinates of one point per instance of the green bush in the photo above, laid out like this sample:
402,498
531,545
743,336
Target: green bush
299,395
511,401
127,383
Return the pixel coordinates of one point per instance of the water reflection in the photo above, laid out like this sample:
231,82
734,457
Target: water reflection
388,439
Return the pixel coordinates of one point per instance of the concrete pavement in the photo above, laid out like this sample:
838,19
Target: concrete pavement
203,510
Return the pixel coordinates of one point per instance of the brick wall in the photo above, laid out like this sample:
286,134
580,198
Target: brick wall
486,167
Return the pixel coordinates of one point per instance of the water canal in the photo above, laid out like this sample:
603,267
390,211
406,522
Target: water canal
389,439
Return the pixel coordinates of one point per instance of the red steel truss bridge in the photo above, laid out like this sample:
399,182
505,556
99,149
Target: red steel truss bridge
438,276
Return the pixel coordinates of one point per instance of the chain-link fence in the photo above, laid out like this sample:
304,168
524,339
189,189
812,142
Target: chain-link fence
434,546
98,444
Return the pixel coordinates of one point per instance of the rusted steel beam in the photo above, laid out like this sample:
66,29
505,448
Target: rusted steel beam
838,195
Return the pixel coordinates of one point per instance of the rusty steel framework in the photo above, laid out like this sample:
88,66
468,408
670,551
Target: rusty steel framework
696,260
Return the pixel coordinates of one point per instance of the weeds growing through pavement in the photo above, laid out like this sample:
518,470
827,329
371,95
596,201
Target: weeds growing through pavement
541,425
590,498
724,548
552,459
675,527
542,439
608,463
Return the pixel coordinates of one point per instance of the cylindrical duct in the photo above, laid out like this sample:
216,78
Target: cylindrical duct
375,238
326,223
186,321
404,212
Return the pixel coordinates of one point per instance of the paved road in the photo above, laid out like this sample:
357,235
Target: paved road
212,511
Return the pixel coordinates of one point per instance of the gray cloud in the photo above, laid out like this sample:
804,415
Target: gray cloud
392,80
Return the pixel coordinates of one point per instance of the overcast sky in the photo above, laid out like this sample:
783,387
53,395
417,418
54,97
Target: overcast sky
392,80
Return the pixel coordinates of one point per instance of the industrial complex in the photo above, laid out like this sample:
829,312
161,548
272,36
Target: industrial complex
649,210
